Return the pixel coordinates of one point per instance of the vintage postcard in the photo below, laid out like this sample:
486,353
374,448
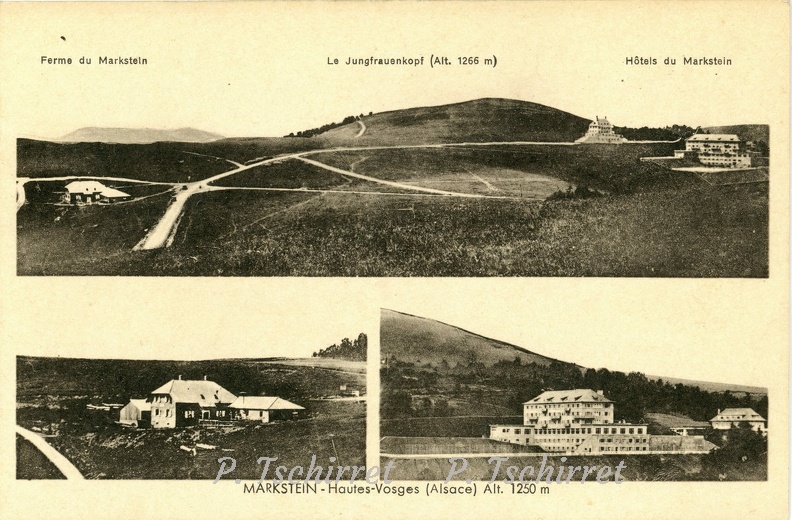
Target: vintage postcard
523,151
384,259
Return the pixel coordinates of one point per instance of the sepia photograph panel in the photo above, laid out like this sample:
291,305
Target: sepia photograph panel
413,150
162,419
452,402
487,187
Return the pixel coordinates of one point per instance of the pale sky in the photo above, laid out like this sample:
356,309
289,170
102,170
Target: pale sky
261,69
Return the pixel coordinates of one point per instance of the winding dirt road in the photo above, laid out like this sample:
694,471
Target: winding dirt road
62,463
362,128
397,184
163,233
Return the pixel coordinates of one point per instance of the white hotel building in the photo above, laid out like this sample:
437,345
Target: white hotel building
581,422
600,131
722,150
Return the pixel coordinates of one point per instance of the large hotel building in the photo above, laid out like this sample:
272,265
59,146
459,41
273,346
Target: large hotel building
600,131
722,150
581,422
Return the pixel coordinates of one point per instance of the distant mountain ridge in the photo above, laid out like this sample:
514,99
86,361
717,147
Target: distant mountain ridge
93,134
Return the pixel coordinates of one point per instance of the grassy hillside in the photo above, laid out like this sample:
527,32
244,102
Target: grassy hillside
412,339
481,120
159,162
117,380
753,133
695,232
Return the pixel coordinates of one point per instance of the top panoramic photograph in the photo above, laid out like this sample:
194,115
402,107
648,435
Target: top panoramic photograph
481,188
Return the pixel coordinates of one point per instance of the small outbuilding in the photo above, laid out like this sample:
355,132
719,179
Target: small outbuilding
136,413
264,409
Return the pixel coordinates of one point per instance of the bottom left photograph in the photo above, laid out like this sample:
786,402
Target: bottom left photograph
160,419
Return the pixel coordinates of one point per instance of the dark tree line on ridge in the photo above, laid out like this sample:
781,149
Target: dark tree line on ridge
324,128
351,350
669,133
634,394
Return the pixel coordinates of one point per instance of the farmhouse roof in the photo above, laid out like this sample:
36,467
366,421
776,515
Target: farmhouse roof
714,137
569,396
253,402
112,192
737,414
141,404
84,187
205,393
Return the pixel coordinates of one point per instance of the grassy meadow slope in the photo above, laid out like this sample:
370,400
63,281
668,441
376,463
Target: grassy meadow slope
694,232
117,380
481,120
158,162
413,339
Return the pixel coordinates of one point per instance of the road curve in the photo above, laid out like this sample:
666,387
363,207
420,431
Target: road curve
164,231
62,463
397,184
314,190
362,128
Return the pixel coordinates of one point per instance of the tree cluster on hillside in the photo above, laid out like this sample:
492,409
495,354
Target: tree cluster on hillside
324,128
351,350
668,133
634,394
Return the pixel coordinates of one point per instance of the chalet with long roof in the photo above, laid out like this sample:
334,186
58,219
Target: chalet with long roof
182,402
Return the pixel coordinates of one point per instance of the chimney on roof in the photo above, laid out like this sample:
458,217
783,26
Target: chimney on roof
718,412
179,377
204,378
600,392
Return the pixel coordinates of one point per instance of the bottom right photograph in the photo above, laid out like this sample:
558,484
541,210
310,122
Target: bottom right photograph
456,405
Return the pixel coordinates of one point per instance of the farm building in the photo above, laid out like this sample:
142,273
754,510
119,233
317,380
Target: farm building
581,422
89,192
185,402
136,413
736,417
600,131
264,409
